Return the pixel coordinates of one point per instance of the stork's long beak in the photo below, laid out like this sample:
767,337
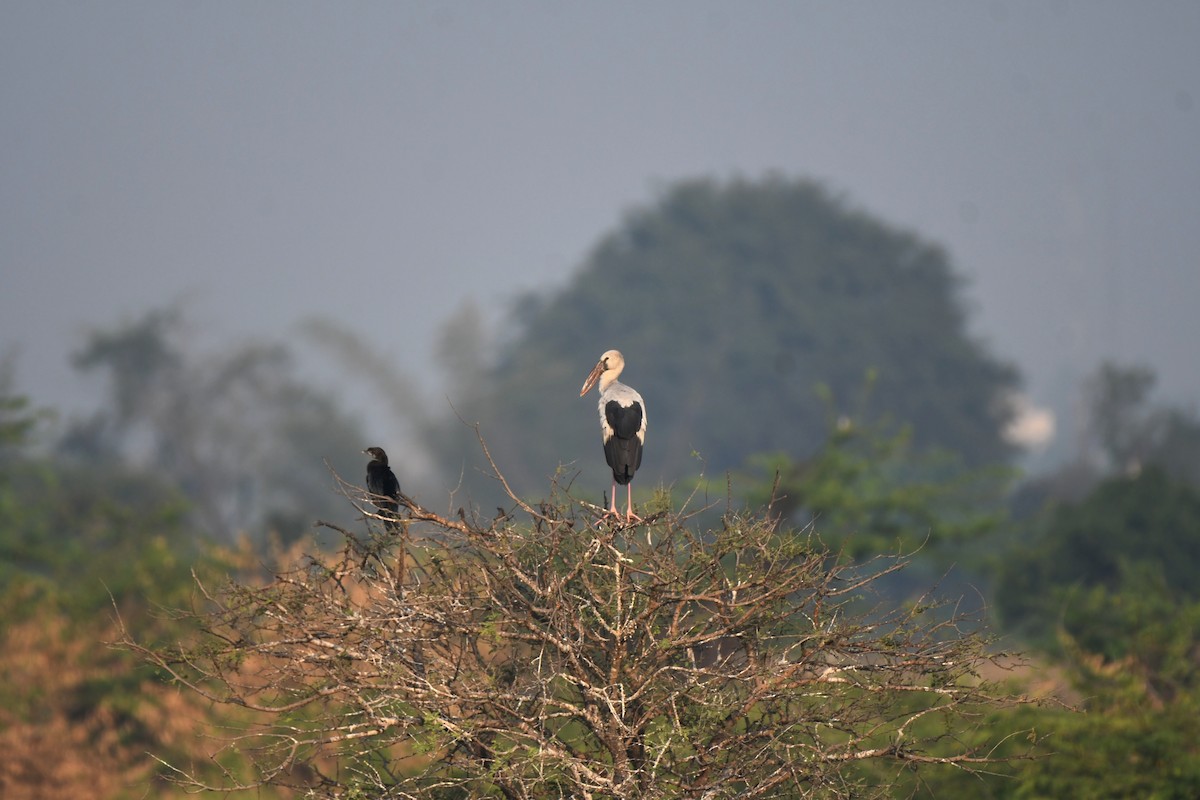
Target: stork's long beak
592,378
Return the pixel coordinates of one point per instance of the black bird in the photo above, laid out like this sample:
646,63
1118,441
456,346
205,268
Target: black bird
383,486
622,426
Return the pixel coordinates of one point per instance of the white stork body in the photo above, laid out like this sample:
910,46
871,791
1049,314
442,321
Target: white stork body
622,425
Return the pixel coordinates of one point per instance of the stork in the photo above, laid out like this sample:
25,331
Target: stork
383,486
622,426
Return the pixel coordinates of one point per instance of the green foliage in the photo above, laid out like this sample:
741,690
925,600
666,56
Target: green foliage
1133,730
1139,731
18,419
733,303
870,491
78,547
1110,754
1107,587
84,535
1129,534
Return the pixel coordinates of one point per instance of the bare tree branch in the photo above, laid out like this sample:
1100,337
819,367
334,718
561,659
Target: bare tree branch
545,658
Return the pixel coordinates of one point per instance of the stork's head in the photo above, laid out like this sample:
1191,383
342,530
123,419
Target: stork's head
612,361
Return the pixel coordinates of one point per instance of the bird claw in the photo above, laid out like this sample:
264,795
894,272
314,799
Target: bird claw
629,518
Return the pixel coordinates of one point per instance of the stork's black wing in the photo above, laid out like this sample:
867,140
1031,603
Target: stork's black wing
623,450
625,421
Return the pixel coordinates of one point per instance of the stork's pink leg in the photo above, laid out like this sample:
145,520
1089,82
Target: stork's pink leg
629,504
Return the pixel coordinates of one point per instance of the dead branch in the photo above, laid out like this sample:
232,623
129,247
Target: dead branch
539,657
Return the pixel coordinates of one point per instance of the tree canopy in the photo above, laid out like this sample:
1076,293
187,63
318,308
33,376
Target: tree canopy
538,655
1106,587
76,547
745,310
1130,535
239,434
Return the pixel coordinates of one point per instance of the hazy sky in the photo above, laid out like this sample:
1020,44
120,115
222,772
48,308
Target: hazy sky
378,163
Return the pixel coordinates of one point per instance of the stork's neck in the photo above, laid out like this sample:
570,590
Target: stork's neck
608,378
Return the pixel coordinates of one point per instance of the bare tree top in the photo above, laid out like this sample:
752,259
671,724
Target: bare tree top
543,656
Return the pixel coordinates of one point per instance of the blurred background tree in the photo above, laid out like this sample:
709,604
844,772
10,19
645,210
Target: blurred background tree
113,514
239,434
1099,580
77,547
733,302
